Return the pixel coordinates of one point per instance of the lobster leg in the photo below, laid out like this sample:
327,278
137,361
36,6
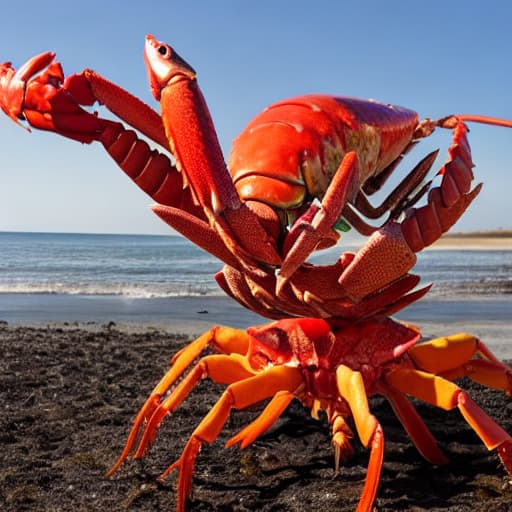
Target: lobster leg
238,395
237,285
310,289
317,224
351,388
198,231
395,201
224,339
399,241
264,421
415,427
442,393
375,183
463,355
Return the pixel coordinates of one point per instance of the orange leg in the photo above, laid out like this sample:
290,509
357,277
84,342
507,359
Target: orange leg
351,388
224,339
224,369
462,355
264,421
442,393
238,395
415,427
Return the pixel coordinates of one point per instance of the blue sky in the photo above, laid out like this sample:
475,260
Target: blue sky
435,57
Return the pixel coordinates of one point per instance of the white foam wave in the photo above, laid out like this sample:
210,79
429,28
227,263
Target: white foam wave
472,288
130,290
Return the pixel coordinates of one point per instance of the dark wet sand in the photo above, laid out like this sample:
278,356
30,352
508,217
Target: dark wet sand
69,396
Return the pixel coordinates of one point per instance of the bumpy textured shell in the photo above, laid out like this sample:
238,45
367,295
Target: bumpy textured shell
293,148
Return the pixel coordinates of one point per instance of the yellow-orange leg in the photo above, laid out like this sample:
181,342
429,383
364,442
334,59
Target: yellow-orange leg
442,393
351,388
225,370
461,355
224,339
238,395
264,421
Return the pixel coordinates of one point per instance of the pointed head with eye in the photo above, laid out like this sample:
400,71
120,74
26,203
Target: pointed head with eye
164,66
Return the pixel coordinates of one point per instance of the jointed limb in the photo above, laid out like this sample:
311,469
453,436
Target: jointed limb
415,427
239,395
224,339
462,355
442,393
351,388
264,421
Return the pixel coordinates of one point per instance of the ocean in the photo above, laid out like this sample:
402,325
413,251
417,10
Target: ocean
137,266
147,266
47,277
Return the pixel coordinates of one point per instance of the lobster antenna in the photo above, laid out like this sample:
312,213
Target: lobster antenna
427,126
485,120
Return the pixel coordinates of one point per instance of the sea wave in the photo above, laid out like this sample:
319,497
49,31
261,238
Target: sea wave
471,288
129,290
138,290
158,267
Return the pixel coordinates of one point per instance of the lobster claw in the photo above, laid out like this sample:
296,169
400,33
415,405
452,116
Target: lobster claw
38,94
13,83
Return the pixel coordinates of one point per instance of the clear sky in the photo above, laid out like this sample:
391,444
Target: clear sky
438,57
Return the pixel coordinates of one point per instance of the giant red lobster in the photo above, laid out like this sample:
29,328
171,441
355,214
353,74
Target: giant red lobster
300,172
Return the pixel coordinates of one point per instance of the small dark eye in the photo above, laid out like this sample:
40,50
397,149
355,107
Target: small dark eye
163,50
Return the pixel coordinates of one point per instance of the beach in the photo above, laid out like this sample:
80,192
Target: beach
70,390
486,317
76,367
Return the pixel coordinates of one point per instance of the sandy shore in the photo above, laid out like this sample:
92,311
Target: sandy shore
490,318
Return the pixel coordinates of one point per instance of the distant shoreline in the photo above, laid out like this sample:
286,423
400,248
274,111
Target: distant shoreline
494,233
491,233
500,239
497,239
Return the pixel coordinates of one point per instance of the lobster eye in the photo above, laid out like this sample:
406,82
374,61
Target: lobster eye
164,50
